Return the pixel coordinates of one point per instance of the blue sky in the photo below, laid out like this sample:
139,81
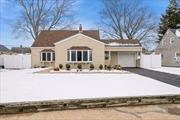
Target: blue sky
86,13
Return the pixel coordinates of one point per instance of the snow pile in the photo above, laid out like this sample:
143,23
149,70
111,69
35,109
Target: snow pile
24,85
171,70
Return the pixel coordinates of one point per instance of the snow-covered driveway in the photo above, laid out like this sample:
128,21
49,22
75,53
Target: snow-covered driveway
23,85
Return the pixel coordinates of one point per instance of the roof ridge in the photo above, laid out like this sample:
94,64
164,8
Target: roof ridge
65,30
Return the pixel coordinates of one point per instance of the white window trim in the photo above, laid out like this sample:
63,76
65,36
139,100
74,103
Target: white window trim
46,57
88,59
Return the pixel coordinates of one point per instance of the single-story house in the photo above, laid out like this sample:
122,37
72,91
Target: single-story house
85,47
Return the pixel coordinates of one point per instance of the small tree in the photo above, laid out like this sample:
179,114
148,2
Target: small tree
79,66
109,67
60,66
68,66
170,19
91,67
100,66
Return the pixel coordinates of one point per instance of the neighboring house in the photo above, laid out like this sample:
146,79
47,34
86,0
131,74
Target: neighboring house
85,47
169,48
21,50
3,49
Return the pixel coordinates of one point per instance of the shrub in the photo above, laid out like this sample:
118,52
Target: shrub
60,66
105,67
109,67
43,66
56,69
79,66
100,66
117,67
36,66
68,66
91,67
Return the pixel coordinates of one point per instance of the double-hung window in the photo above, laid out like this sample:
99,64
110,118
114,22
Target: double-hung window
79,56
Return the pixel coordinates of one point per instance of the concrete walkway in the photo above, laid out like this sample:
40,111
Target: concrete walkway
160,76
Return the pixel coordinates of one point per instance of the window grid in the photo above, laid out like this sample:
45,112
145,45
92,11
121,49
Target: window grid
89,56
47,58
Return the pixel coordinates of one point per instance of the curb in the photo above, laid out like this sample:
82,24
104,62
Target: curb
39,106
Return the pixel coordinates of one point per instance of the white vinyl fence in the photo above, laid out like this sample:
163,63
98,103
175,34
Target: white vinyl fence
19,61
150,61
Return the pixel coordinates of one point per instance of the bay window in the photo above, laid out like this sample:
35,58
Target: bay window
79,56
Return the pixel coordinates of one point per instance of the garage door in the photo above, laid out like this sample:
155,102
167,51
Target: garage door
126,59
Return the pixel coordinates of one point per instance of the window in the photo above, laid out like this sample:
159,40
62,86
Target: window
47,56
73,55
43,57
79,55
85,55
106,55
171,40
177,54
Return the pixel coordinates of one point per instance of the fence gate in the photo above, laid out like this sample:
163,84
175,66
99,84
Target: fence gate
150,61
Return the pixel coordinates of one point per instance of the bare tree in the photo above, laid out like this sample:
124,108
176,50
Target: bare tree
40,15
122,19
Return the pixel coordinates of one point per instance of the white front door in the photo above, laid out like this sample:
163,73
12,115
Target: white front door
126,59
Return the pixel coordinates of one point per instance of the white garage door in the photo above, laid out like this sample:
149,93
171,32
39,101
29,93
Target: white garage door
126,59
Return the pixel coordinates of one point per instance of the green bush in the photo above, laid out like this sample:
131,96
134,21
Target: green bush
79,66
60,66
109,67
100,66
68,66
91,67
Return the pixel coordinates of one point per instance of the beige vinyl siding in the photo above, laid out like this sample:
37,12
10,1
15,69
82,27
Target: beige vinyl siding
80,40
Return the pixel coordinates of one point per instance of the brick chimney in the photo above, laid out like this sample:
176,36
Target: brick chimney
80,28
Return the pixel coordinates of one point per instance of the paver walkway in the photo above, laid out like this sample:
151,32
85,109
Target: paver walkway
160,76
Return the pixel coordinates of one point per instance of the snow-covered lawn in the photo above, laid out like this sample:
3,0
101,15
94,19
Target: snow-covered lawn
172,70
24,85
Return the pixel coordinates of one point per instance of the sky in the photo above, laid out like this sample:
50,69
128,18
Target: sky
86,12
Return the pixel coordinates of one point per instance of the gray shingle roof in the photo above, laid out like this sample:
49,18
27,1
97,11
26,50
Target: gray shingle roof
3,48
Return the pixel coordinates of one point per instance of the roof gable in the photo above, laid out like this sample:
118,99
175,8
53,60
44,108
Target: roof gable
79,34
